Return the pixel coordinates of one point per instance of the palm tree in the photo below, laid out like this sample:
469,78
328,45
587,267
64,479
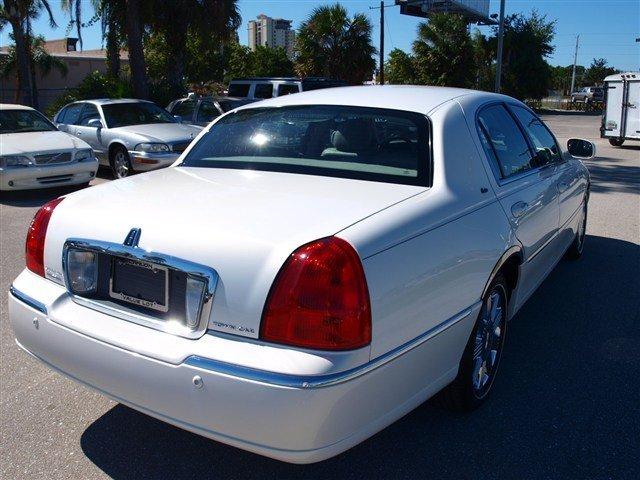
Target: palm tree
331,44
19,14
444,52
177,19
112,19
134,27
40,59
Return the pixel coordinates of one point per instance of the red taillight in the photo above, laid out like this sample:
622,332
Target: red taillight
36,235
319,299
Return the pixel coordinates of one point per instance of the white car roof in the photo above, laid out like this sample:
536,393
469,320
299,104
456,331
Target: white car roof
420,99
12,106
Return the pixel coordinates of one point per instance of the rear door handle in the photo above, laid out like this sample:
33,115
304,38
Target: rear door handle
562,187
519,209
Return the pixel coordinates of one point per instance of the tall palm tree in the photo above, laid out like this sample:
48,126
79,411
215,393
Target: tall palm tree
40,59
134,28
444,52
331,44
177,19
19,14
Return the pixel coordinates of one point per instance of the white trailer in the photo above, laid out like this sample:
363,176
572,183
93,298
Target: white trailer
621,117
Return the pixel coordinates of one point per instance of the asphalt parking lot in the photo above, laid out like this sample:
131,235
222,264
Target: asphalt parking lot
566,403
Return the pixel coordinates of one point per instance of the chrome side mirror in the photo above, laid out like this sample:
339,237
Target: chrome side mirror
582,149
95,123
178,118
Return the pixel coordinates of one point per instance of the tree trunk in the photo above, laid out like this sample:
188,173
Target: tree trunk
22,57
176,37
113,47
136,52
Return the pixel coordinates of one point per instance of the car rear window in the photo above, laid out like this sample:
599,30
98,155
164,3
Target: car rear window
337,141
239,90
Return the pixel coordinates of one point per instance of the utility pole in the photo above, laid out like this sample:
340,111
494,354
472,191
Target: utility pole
575,60
381,7
500,46
381,42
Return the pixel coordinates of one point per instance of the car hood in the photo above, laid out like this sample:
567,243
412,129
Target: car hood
242,223
161,132
38,142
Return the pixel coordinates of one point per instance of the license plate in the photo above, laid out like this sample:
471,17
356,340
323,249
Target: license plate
140,283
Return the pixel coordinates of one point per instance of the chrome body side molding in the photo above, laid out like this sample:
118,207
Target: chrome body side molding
320,381
24,298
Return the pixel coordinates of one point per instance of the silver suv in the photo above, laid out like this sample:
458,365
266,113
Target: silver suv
127,135
588,95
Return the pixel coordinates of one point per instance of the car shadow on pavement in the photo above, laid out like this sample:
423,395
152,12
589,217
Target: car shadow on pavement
565,404
35,198
606,177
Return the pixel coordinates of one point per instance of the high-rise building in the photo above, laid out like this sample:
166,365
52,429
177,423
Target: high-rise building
271,32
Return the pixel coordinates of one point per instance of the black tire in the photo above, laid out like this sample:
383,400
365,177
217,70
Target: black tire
616,142
574,252
470,388
120,162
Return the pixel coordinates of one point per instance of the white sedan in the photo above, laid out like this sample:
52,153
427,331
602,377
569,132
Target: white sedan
34,154
314,267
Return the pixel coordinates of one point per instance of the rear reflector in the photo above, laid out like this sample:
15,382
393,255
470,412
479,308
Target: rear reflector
36,236
319,299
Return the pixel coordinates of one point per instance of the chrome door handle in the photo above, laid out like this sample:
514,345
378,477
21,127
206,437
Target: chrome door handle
519,209
562,187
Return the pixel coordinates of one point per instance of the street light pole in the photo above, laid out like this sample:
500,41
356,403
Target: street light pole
575,61
500,45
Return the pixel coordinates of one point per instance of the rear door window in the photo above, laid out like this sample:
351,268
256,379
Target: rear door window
504,142
263,90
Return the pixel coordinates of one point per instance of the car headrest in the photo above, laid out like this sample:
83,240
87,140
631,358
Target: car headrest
354,136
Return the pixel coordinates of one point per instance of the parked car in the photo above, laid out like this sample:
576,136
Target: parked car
268,87
35,154
314,268
127,135
202,110
588,95
621,116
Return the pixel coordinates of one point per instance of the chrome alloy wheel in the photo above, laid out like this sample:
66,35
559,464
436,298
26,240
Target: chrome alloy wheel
488,341
121,164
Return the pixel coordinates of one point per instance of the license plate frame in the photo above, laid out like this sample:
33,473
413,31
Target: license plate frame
133,300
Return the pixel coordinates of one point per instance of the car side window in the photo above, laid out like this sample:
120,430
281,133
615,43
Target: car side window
207,112
89,112
287,89
72,114
544,142
61,114
504,142
184,109
263,90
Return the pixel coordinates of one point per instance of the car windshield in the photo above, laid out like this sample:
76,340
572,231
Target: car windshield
135,113
22,121
338,141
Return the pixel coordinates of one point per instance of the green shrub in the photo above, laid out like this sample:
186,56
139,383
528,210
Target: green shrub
94,85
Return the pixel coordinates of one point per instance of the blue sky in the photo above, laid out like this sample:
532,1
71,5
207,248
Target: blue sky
604,32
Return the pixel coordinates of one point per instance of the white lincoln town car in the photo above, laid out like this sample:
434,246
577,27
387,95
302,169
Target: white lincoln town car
311,269
35,154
